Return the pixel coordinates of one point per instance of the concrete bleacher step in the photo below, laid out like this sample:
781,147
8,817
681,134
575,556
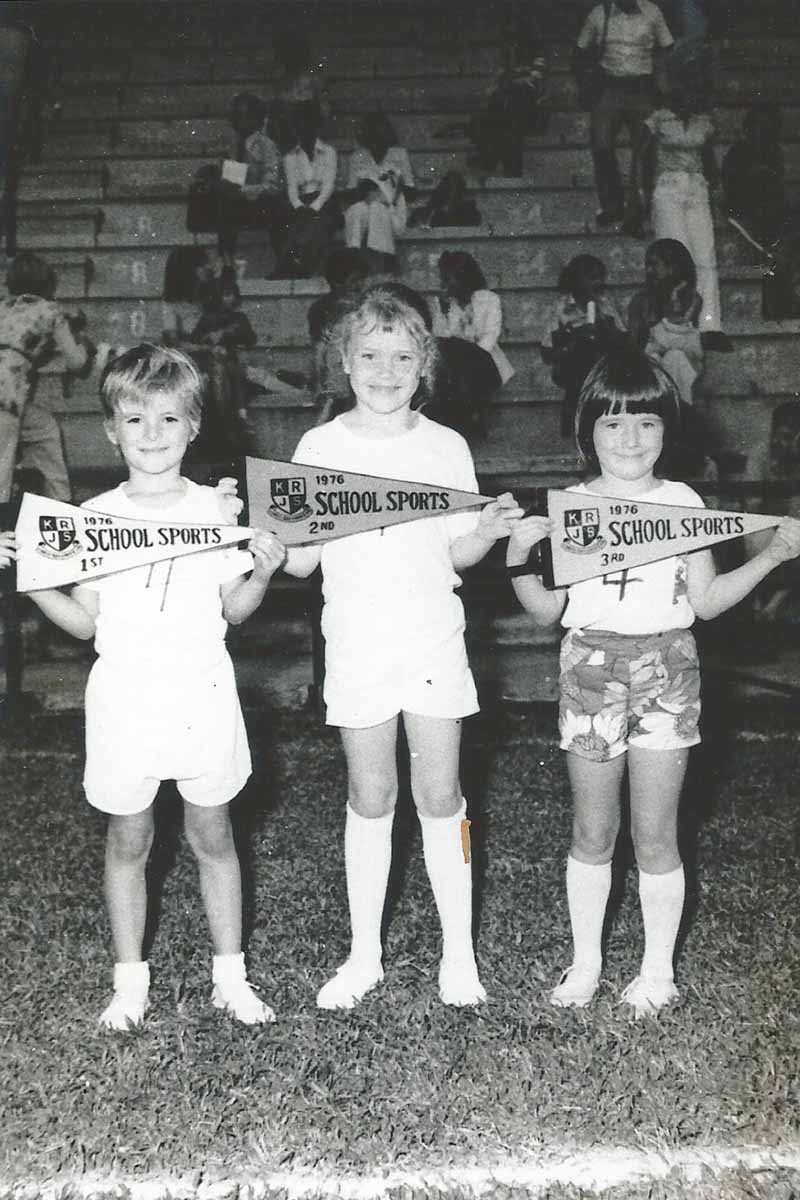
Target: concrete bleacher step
410,94
209,136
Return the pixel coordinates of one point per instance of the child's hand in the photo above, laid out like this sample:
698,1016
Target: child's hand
526,534
785,543
268,553
8,549
498,518
229,499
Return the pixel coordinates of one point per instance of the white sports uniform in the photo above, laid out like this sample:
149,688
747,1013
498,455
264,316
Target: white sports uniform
393,625
161,700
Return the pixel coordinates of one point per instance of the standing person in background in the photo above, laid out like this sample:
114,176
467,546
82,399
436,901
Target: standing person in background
468,321
17,42
680,135
301,93
514,105
379,182
33,331
630,31
309,168
754,177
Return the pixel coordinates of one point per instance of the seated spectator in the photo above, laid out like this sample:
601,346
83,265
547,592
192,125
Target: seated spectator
379,182
675,339
310,173
754,177
188,272
345,270
221,330
515,103
245,191
583,326
468,321
34,330
449,204
667,264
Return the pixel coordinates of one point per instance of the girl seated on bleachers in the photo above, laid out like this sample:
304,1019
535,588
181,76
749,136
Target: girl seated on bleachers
379,182
468,321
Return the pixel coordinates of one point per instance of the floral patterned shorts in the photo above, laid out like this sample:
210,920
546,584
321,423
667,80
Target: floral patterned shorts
622,689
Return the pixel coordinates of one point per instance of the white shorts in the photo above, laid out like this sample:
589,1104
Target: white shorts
360,694
141,730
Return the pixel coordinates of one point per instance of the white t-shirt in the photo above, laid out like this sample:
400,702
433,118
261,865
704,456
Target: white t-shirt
679,145
389,592
652,598
167,615
630,40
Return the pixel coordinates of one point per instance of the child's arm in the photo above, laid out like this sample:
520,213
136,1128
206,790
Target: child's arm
242,596
302,561
496,521
711,594
8,550
75,613
545,606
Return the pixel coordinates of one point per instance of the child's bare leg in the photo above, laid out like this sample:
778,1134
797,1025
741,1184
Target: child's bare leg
128,841
595,823
371,796
209,833
656,781
435,744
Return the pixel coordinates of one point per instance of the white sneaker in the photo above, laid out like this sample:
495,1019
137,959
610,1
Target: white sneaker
459,984
240,1000
124,1011
349,985
576,987
646,995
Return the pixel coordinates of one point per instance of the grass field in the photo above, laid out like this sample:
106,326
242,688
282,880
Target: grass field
404,1097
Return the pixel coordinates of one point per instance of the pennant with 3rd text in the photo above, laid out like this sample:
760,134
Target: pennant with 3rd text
301,505
58,543
598,535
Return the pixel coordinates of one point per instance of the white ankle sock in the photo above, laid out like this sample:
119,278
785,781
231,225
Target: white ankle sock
661,898
132,979
228,968
367,859
451,882
588,886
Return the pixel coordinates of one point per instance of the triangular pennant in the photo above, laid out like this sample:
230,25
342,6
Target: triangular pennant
59,544
598,535
299,504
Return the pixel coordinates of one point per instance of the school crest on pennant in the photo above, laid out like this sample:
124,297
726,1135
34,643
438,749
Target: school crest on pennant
59,537
582,529
288,498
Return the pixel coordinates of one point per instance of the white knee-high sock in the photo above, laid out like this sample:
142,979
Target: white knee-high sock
451,883
367,859
661,898
588,886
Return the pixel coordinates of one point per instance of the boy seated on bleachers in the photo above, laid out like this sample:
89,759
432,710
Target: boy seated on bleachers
245,191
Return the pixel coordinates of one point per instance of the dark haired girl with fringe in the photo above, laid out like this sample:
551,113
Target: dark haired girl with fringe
629,678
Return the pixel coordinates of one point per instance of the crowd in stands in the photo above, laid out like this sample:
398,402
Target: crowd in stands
637,65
